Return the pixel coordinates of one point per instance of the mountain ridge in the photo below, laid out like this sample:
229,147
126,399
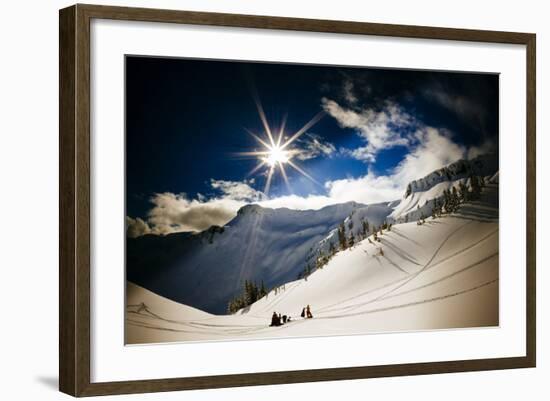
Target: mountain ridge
273,245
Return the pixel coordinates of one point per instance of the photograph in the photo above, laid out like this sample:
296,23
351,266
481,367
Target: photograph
272,200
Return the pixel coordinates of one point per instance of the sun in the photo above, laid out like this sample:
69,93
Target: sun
276,155
277,152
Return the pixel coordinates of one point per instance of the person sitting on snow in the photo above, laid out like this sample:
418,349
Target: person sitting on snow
275,321
303,314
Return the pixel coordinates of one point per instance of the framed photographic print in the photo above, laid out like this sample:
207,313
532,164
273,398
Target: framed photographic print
250,200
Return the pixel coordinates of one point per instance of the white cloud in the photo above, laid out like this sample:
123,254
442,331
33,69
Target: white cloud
348,92
136,227
435,149
367,189
312,146
296,202
176,212
381,129
237,190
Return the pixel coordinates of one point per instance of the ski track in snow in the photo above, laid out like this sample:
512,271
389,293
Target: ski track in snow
400,283
455,268
356,306
391,262
241,329
448,276
413,303
399,252
439,262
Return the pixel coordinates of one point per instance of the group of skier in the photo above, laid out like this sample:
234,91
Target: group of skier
278,320
306,312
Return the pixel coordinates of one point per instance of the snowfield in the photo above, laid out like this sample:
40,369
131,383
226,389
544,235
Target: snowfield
439,275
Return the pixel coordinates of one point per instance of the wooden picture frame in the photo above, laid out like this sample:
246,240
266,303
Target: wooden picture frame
74,204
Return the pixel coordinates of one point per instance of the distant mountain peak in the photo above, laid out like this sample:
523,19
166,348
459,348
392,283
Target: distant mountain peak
250,209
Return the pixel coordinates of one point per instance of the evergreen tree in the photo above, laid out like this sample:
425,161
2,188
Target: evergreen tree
253,292
452,201
409,190
230,307
446,200
365,228
321,260
462,192
455,199
332,249
342,237
421,217
475,187
246,291
263,291
351,240
249,295
307,271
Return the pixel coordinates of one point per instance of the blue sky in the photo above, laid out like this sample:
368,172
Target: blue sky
187,124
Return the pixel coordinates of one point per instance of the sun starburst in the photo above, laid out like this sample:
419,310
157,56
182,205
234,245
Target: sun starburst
277,155
277,152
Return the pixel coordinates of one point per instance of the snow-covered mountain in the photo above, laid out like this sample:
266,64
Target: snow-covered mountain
358,224
276,246
207,269
439,275
419,196
482,165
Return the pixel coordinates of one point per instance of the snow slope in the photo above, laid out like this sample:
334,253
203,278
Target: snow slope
421,202
420,194
375,215
142,322
206,270
443,274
